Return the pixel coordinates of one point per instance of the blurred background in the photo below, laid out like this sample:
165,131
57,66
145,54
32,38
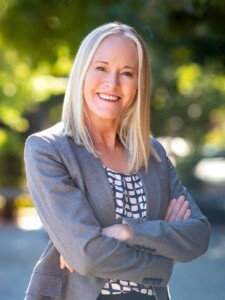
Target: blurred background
186,42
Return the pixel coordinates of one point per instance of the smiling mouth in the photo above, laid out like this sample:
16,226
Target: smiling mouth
109,98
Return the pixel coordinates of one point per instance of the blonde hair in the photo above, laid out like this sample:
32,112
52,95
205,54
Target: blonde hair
134,126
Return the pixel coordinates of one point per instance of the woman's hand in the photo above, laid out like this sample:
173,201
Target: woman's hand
178,209
64,264
121,232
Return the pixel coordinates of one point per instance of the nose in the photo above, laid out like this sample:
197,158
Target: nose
112,81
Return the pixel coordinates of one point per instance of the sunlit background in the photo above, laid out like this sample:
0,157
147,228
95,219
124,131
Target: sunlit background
186,42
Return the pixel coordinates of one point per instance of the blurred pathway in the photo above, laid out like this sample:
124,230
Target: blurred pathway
202,279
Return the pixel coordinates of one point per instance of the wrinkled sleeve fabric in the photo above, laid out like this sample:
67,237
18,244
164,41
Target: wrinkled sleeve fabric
72,226
180,240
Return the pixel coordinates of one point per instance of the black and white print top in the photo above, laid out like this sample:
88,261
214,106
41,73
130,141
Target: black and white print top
130,201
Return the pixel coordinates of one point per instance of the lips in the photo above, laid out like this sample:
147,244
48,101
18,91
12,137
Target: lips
107,97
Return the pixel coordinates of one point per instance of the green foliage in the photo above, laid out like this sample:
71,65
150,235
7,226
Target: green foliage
38,42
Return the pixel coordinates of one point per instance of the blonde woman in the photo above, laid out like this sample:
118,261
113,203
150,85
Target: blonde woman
117,215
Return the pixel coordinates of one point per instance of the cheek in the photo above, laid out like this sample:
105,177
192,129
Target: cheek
133,94
133,91
87,87
91,83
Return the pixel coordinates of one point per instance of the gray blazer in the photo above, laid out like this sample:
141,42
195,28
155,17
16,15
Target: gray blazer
74,200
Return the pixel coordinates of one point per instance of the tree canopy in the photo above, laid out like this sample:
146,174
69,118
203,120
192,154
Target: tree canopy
38,42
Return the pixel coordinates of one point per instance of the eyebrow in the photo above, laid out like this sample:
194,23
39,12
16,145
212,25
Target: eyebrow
106,63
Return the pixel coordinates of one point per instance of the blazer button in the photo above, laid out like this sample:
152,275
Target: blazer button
152,281
147,280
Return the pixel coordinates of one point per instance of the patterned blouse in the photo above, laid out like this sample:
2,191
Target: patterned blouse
130,202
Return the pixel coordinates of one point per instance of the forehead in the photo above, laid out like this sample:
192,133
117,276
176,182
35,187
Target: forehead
117,48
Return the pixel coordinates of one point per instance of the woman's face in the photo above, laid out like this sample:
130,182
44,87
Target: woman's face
111,80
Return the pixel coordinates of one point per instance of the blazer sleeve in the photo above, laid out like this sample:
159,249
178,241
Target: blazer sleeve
180,240
73,228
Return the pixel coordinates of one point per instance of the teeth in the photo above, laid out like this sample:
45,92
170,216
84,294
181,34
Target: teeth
108,97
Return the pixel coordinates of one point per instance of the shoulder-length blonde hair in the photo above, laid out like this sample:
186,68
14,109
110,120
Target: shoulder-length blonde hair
134,126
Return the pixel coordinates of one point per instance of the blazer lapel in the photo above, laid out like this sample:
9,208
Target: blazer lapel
98,187
100,193
151,184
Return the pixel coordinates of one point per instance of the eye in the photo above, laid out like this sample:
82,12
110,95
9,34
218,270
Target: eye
100,68
128,74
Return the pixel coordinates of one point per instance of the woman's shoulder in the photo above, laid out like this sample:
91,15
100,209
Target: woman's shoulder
52,133
158,147
47,138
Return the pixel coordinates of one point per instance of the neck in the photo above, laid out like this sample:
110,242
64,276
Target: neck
107,139
103,134
106,143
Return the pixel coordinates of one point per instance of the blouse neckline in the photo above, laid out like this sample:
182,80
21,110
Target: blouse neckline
117,172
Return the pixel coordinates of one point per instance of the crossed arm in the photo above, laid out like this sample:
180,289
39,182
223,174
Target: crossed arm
176,238
76,233
177,210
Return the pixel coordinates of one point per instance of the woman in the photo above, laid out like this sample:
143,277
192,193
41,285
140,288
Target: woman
116,213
